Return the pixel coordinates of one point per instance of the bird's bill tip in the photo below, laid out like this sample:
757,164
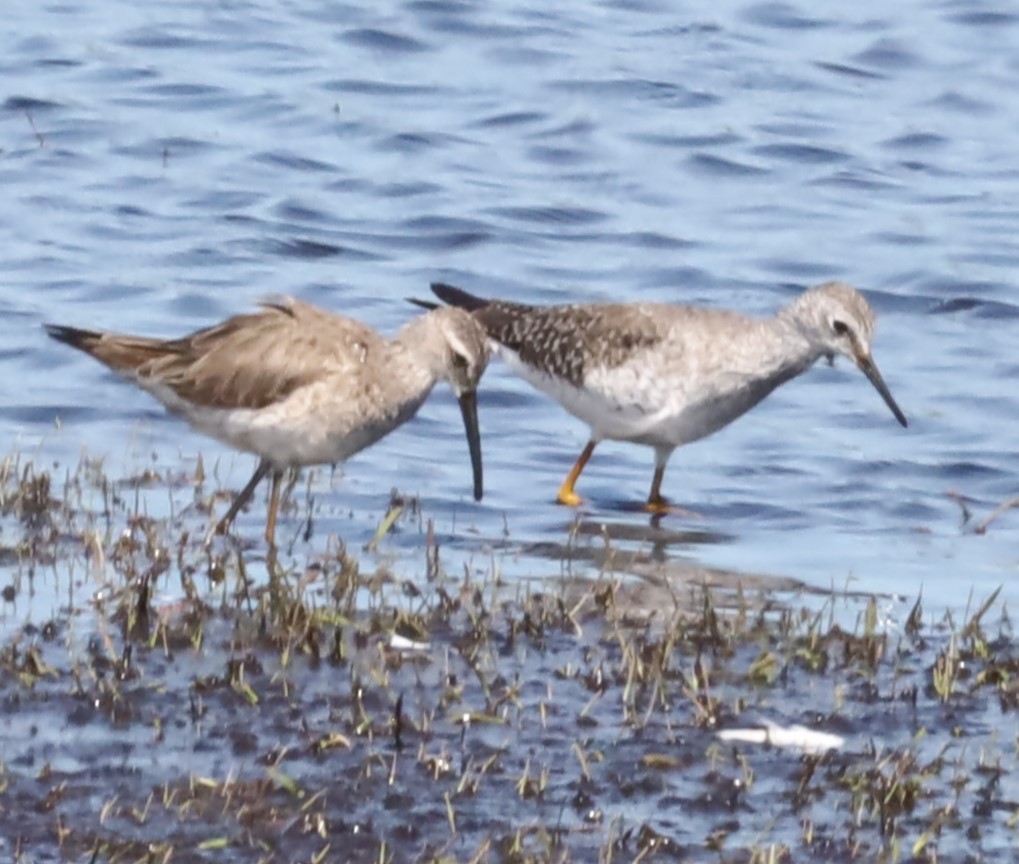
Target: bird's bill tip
469,410
869,368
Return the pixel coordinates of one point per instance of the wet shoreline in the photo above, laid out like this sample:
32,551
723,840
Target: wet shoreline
192,709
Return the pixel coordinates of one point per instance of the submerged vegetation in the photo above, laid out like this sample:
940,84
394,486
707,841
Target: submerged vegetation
224,704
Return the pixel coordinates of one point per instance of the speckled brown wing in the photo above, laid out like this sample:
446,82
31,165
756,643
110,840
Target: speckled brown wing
567,341
564,341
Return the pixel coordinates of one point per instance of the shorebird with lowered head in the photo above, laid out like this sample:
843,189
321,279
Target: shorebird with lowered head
664,375
297,385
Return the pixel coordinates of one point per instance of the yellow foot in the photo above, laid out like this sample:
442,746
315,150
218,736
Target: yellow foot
569,498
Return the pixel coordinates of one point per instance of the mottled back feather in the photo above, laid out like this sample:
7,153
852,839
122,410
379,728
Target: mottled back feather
564,341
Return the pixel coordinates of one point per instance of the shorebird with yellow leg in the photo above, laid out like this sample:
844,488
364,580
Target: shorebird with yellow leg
297,385
664,375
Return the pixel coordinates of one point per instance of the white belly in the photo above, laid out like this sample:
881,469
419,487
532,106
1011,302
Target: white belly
629,404
304,429
608,416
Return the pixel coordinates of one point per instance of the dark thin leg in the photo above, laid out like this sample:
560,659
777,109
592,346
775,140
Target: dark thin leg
566,494
658,505
274,505
655,502
242,498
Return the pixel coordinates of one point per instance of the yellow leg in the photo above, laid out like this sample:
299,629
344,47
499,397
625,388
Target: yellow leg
566,494
274,504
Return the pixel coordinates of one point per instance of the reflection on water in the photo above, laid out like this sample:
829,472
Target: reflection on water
654,570
596,541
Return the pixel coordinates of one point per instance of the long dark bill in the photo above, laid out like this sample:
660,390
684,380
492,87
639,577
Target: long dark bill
469,410
868,368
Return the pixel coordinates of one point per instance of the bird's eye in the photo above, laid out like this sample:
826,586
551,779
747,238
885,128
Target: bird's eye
841,328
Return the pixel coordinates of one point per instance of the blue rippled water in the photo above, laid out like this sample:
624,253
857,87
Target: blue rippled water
165,165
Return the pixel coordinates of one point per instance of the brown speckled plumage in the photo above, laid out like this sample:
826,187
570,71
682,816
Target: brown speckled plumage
665,375
565,341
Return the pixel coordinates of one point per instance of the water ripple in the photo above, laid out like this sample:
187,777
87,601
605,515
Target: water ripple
549,215
29,103
367,87
446,233
384,40
848,71
801,153
721,167
981,308
622,88
512,118
994,18
783,16
297,247
293,161
888,54
413,142
163,168
956,102
917,141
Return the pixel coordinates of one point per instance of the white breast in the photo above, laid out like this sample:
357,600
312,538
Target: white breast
635,402
608,410
312,426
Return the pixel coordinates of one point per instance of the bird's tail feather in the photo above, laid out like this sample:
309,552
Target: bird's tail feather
121,353
83,340
458,297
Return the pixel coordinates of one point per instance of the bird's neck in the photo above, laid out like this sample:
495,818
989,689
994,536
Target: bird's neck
800,330
419,349
793,350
